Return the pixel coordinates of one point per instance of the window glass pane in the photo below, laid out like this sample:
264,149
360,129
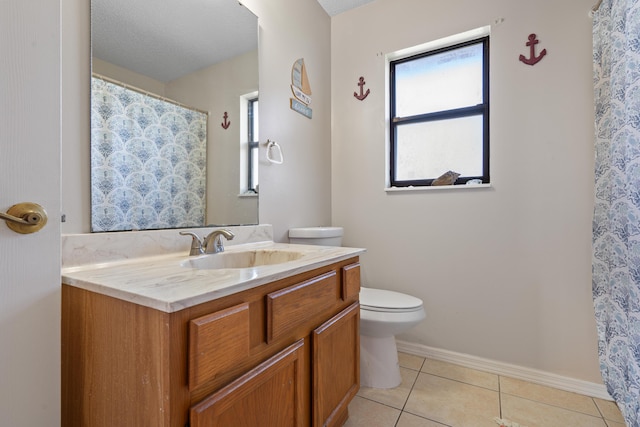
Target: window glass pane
254,167
254,137
444,81
255,121
429,149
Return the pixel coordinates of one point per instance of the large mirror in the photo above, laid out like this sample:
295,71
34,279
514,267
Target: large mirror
174,114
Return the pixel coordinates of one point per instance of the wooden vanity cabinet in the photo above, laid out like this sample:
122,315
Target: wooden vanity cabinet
282,354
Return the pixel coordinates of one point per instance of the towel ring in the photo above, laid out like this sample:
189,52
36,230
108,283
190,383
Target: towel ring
271,147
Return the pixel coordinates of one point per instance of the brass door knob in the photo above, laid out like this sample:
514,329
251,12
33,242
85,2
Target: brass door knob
25,218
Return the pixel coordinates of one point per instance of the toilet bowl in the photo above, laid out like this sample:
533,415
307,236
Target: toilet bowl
383,314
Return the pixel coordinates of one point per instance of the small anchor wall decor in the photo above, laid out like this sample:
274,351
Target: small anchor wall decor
362,95
226,123
533,59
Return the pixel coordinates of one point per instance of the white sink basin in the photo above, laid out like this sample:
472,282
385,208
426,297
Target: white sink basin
244,259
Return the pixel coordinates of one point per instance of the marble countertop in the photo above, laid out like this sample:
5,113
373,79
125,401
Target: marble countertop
161,282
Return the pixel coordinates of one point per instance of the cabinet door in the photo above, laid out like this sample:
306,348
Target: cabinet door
269,395
217,342
336,366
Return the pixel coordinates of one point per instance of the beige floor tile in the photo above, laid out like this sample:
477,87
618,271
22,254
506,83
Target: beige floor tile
452,402
460,373
549,395
410,420
365,413
395,397
535,414
614,424
609,410
410,361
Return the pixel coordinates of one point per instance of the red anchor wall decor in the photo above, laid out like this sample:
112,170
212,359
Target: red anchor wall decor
362,95
226,123
533,59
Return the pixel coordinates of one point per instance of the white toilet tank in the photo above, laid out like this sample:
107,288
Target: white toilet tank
323,236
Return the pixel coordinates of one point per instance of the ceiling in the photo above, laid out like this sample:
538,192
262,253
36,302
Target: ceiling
334,7
168,39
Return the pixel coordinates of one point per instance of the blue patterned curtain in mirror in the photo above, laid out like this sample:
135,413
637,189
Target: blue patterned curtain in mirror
616,222
148,161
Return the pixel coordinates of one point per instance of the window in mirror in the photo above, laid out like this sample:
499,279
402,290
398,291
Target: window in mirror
249,147
253,144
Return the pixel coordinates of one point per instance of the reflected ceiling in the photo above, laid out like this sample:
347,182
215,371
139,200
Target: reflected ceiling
334,7
150,27
184,36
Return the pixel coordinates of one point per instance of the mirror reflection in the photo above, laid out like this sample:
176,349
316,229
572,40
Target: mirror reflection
174,114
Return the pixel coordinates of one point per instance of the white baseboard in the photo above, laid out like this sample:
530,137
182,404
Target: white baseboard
500,368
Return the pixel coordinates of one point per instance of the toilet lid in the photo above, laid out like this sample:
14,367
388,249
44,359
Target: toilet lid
383,300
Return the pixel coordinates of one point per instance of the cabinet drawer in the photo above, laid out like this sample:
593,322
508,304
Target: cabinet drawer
290,307
216,342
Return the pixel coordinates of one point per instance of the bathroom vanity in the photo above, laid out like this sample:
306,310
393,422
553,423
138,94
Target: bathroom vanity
160,341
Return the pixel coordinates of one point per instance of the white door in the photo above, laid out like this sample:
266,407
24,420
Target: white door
30,172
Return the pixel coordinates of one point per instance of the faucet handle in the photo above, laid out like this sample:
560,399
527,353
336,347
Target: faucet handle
196,243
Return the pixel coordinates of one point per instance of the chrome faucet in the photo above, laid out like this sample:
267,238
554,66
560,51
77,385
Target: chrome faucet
213,242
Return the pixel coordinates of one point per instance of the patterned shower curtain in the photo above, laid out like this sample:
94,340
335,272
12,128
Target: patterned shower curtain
148,161
616,222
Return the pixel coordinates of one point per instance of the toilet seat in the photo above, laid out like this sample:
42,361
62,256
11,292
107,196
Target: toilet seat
382,300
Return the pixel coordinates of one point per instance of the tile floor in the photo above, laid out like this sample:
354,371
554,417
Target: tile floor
437,394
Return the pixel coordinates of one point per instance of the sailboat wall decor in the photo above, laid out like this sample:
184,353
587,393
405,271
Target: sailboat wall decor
301,89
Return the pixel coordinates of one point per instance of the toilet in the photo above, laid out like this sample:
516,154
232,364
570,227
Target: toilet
322,236
383,314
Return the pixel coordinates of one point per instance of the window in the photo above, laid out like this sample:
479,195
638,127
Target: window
249,143
439,104
252,152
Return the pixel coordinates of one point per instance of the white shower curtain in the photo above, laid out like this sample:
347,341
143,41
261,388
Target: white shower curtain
616,222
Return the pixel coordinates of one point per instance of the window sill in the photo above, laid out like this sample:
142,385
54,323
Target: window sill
436,188
249,195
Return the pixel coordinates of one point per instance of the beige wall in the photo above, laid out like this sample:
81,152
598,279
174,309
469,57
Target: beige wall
296,193
217,89
505,272
76,80
129,77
